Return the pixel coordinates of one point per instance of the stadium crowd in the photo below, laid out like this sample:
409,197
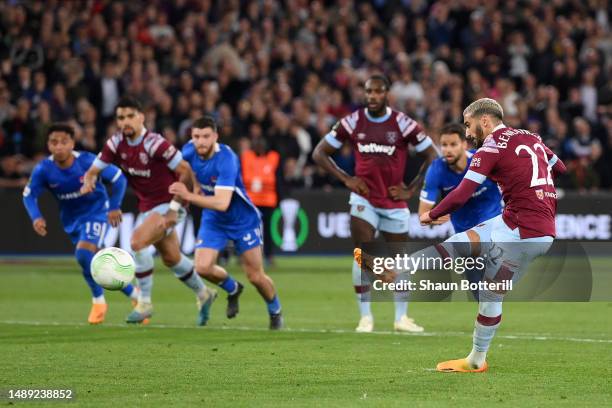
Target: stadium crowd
283,72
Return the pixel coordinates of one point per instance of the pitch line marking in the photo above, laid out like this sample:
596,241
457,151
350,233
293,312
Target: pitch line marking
518,336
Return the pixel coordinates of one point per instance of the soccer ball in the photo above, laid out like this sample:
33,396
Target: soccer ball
112,268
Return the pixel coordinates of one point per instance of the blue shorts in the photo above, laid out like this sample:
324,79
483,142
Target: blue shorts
92,231
215,237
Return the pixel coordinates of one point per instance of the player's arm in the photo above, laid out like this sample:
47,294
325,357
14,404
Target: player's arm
322,155
32,190
480,167
429,154
430,192
220,201
102,161
554,163
224,188
118,182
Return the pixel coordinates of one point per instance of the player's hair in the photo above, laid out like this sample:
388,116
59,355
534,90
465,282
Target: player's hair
484,106
453,128
128,101
61,127
204,122
381,78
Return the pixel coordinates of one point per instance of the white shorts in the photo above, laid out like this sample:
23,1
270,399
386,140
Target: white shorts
392,220
483,230
510,255
161,209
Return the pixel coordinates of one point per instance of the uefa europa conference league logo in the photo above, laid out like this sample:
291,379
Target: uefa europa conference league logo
290,212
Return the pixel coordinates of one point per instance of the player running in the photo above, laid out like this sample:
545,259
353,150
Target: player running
470,221
151,164
521,165
228,214
380,137
83,216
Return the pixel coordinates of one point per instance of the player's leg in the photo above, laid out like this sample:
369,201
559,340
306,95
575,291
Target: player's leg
144,263
362,231
249,246
393,225
401,322
507,259
170,253
84,253
210,242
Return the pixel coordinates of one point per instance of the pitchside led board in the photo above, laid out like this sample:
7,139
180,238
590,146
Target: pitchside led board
306,222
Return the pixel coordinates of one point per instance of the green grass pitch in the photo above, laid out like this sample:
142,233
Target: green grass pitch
545,354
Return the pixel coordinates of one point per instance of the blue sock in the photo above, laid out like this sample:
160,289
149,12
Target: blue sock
128,290
229,285
274,306
84,257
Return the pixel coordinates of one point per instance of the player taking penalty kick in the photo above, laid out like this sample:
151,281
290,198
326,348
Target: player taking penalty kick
83,216
151,164
228,214
521,164
472,222
380,137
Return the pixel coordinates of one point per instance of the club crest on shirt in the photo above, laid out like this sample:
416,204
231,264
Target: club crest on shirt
391,137
144,159
540,194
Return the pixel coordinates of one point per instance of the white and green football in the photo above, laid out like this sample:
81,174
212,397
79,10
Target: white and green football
112,268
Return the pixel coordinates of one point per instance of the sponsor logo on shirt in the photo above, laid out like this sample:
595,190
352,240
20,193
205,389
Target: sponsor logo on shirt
70,196
361,136
140,173
375,148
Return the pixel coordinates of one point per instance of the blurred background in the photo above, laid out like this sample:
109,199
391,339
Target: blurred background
278,74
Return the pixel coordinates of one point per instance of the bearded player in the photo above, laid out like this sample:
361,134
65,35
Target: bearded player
521,164
227,214
380,137
151,165
470,222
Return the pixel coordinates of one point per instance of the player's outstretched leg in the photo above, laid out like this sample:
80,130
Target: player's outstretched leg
252,263
205,266
183,269
84,253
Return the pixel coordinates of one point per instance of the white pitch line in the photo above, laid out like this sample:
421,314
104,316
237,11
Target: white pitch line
518,336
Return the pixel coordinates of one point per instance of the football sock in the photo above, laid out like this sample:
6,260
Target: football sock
229,285
84,257
401,307
362,289
274,306
145,283
185,273
129,291
487,322
98,300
